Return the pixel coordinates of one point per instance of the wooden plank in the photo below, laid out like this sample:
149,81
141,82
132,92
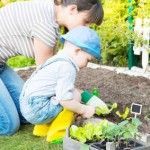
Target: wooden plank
142,148
71,144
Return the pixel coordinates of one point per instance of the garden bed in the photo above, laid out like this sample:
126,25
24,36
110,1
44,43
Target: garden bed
71,144
114,87
100,134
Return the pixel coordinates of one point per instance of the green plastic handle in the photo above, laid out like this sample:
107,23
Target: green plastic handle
58,141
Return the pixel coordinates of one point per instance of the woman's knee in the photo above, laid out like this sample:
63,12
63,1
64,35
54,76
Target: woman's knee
8,124
9,118
14,127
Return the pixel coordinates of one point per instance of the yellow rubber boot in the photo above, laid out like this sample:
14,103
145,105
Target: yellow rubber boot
41,129
58,127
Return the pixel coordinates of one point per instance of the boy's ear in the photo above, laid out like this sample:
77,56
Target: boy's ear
73,9
77,50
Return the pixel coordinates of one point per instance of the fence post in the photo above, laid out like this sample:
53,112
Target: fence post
131,56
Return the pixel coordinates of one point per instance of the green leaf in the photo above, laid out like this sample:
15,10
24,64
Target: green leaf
132,128
105,110
124,115
88,130
127,135
123,123
136,122
73,131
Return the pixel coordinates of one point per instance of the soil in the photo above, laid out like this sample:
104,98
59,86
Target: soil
113,87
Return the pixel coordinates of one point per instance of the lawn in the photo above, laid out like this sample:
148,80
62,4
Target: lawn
25,140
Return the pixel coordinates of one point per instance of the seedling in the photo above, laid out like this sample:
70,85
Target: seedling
124,115
136,109
105,131
105,110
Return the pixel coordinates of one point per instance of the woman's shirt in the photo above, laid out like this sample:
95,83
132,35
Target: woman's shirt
20,22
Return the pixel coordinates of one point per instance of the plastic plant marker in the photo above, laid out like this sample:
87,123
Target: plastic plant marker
136,109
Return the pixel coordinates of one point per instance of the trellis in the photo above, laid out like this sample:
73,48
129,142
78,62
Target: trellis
141,43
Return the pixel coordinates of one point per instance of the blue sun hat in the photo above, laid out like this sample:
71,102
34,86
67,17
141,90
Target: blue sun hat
85,38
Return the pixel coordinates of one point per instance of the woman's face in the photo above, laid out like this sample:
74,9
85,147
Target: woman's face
70,17
80,18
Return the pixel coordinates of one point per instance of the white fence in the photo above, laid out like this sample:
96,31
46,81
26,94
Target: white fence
141,44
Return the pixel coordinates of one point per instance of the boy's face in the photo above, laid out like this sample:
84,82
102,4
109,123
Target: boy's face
82,58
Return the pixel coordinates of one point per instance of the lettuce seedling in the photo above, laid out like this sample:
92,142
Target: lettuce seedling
105,110
124,115
106,131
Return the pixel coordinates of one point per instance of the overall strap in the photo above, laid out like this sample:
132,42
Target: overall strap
52,61
41,67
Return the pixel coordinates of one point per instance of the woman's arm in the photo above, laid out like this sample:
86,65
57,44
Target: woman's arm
41,51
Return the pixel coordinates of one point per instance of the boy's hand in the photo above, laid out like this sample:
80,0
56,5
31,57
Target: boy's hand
78,117
88,112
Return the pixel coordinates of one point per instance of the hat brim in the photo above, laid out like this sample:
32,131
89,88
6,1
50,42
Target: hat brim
81,45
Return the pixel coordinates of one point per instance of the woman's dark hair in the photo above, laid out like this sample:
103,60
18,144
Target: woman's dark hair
94,7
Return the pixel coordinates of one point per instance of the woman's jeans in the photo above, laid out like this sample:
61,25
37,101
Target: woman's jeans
10,88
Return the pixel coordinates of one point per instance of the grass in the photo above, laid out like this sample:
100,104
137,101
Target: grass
25,140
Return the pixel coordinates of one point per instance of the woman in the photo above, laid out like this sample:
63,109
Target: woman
30,28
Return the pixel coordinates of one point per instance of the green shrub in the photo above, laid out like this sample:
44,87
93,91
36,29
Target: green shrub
20,61
114,33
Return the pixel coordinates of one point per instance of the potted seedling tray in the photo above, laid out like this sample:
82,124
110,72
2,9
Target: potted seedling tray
70,143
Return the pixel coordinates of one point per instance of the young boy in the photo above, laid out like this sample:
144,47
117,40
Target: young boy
52,86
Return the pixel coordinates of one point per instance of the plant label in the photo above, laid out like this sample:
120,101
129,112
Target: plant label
136,109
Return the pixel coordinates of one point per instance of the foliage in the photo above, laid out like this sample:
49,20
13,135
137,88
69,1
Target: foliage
105,110
124,115
1,4
20,61
114,33
105,130
143,9
88,132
